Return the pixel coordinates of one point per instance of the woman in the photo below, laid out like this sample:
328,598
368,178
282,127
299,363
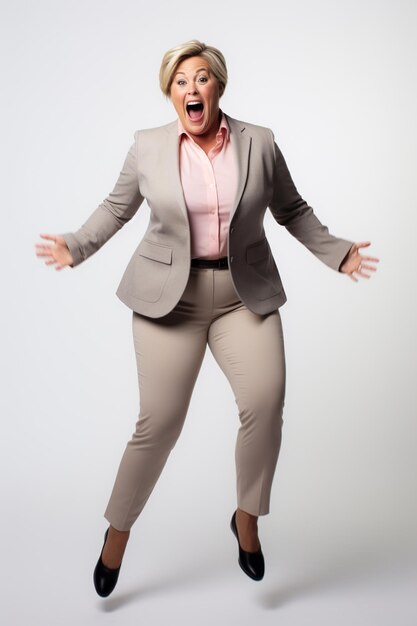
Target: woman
202,274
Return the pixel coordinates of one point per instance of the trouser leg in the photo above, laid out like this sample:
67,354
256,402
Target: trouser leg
250,350
169,353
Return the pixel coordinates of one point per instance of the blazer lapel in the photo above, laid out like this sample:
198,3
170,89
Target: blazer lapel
241,142
173,166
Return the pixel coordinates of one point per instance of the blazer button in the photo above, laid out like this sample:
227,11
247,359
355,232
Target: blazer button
231,230
231,259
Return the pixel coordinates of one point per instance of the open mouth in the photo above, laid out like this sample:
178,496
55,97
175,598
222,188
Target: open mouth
195,110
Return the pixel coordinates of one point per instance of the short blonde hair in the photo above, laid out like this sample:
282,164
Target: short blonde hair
173,57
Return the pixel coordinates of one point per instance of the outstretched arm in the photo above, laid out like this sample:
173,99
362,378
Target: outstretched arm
289,209
292,211
118,208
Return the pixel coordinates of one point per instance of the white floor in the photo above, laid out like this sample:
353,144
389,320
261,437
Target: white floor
320,574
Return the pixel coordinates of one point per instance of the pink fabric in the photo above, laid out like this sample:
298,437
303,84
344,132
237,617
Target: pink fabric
209,183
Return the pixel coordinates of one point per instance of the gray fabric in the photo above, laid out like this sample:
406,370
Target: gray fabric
157,273
248,347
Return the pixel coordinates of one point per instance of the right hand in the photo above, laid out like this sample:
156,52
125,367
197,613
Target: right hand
58,253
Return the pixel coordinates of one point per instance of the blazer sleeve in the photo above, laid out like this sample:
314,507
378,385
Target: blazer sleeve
290,210
118,208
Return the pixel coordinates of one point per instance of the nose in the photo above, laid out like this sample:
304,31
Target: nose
192,89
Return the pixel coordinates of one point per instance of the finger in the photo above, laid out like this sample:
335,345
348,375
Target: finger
43,252
363,244
42,246
47,236
370,258
360,272
353,278
368,267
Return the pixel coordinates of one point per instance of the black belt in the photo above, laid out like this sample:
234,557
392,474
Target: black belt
221,264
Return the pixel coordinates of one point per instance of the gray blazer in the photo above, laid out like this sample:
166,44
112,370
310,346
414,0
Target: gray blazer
158,271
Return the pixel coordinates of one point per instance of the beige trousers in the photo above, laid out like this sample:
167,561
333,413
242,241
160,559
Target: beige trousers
248,347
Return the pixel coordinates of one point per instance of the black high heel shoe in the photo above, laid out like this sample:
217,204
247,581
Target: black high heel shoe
105,578
252,563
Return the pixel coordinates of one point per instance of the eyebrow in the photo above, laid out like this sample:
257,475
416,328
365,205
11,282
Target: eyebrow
197,70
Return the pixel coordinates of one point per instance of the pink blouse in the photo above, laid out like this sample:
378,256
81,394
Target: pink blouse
209,183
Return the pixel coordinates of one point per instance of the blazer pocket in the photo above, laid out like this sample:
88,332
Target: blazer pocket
155,251
257,251
262,271
152,268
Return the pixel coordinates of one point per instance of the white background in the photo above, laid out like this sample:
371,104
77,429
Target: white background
336,81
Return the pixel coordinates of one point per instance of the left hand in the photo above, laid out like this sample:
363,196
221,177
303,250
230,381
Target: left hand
354,263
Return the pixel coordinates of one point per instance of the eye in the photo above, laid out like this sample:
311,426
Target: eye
180,82
203,79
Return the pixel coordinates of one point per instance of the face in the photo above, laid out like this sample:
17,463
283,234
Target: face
195,82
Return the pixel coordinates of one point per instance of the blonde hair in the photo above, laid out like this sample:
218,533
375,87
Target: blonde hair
173,57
